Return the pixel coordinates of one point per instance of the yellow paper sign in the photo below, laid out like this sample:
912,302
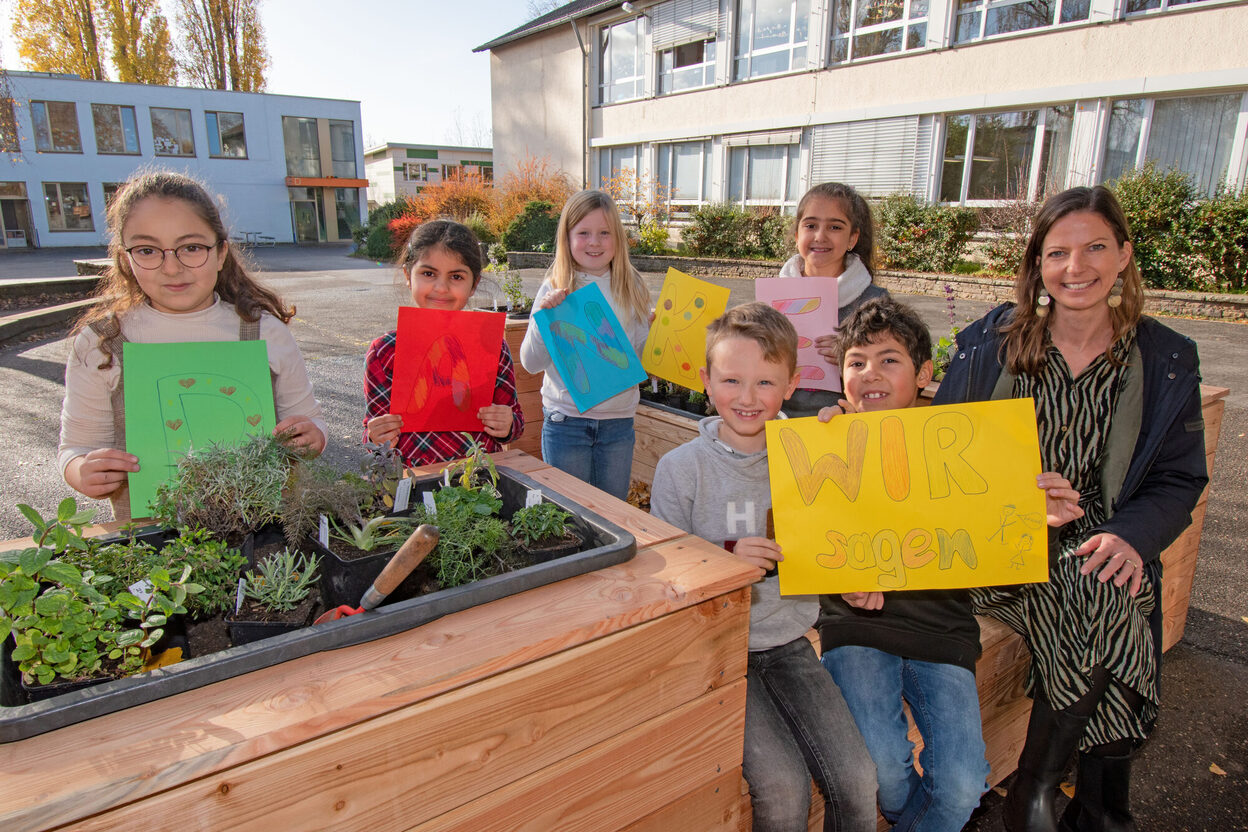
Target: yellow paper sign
676,347
921,498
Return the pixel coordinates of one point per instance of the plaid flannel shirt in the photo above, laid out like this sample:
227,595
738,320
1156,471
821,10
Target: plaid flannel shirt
426,447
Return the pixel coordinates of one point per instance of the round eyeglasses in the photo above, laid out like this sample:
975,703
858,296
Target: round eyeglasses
191,255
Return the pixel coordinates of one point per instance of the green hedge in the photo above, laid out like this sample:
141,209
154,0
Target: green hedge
1182,241
725,230
919,236
534,229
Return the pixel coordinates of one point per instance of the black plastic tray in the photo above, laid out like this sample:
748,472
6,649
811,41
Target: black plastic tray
611,545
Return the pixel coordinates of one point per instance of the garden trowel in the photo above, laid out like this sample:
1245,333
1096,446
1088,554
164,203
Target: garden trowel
414,550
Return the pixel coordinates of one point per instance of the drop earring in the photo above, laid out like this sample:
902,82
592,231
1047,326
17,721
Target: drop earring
1042,303
1115,294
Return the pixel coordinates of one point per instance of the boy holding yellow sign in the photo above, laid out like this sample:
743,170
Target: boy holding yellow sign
916,645
717,487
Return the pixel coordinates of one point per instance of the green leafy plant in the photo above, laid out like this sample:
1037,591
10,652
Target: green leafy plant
62,621
513,289
471,545
726,230
315,487
920,236
698,401
214,565
283,581
377,533
228,489
651,238
479,225
496,253
538,522
475,469
1220,238
382,469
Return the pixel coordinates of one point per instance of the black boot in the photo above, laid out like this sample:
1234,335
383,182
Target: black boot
1051,738
1102,796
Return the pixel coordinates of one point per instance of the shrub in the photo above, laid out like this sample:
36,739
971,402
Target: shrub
401,227
712,230
534,229
725,230
651,239
534,179
379,245
1158,209
915,235
480,226
456,197
1220,238
374,238
1012,222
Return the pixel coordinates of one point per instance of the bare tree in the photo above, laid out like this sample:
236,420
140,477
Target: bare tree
473,133
537,8
224,45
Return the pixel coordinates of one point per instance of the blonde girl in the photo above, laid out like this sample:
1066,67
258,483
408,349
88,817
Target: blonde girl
174,277
591,247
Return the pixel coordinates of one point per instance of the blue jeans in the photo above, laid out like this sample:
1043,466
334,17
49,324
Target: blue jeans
945,705
598,451
796,727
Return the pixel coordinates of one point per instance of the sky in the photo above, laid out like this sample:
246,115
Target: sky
409,62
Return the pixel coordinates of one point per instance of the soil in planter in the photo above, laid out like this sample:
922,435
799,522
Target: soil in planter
207,636
298,617
549,548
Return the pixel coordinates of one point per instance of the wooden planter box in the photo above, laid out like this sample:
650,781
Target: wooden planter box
529,390
611,700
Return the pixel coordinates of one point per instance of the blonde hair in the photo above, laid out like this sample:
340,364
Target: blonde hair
120,291
627,287
761,323
1025,340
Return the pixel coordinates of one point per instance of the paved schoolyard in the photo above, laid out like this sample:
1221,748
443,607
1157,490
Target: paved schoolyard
343,303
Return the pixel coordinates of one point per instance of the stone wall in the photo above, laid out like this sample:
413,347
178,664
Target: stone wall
965,287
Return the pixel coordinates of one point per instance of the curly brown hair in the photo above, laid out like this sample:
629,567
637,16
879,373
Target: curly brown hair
119,291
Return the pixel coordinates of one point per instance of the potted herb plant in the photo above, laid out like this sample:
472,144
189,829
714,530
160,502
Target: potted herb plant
543,529
277,597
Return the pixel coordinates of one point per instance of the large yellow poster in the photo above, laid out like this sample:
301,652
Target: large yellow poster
676,347
921,498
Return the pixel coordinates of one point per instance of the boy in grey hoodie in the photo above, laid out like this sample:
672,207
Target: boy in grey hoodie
797,724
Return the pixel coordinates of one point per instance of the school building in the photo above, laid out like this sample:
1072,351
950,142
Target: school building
957,101
397,170
288,168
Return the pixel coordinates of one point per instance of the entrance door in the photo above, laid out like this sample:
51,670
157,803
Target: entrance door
303,213
15,223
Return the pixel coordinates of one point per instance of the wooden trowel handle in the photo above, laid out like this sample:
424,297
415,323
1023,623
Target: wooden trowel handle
414,550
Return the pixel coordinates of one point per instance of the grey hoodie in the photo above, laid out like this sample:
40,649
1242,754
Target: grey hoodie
707,488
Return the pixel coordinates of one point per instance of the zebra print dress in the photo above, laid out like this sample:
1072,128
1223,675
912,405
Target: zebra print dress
1074,622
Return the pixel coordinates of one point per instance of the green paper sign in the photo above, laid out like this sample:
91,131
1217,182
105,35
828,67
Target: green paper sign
185,396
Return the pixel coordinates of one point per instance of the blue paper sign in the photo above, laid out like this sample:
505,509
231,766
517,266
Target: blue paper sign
589,348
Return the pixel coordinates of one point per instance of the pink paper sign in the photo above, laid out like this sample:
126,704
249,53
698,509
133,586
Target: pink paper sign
445,367
810,304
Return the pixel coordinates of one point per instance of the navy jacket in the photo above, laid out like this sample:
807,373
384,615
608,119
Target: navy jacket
1167,473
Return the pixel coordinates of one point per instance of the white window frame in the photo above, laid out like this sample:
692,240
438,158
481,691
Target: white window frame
984,6
639,61
415,171
786,205
1146,126
706,67
1034,172
904,23
60,199
1169,6
677,203
220,133
750,53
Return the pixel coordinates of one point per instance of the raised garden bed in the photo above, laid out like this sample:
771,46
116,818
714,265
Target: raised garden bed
603,544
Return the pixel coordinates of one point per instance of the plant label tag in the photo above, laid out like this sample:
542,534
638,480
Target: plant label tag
533,498
238,596
446,476
430,505
141,590
654,384
322,533
403,494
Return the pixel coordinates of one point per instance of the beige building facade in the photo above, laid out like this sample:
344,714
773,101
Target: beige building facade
957,101
396,171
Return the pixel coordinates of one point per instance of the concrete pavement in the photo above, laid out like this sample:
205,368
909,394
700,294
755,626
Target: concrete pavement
343,303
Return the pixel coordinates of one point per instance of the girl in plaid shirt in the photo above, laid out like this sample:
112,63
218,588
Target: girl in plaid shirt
441,265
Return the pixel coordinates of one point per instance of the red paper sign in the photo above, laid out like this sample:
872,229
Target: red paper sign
445,366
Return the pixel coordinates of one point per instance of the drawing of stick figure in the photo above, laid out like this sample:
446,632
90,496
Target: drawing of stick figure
1009,517
1021,547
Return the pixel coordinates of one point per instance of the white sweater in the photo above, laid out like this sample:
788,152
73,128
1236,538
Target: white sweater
87,415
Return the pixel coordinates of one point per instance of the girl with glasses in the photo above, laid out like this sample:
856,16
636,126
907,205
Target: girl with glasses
174,278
